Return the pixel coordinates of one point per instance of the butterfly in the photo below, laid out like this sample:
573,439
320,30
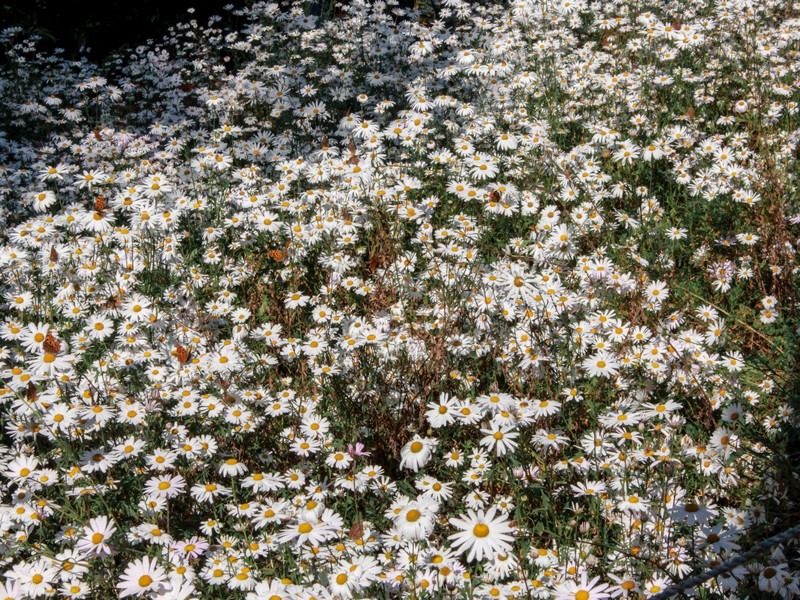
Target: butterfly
100,204
111,302
278,254
51,344
182,354
353,160
32,393
356,531
53,254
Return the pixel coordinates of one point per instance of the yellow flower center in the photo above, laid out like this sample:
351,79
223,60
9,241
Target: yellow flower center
305,528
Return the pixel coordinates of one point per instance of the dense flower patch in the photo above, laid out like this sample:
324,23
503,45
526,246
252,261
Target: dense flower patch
475,301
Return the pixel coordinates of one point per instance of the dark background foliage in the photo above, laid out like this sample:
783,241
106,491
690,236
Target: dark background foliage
95,28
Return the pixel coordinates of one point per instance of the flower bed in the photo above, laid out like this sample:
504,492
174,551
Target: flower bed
473,301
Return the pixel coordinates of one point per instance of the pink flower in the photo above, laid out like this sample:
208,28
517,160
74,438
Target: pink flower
357,450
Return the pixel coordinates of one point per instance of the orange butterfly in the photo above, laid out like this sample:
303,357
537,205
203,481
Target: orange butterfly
278,254
51,344
53,254
100,204
182,354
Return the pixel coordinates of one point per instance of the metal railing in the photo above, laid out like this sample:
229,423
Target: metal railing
728,565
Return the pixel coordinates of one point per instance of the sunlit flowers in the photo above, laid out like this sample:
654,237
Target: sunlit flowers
140,577
482,534
416,453
387,305
97,536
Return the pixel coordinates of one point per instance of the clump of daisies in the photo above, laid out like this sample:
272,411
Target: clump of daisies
489,301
